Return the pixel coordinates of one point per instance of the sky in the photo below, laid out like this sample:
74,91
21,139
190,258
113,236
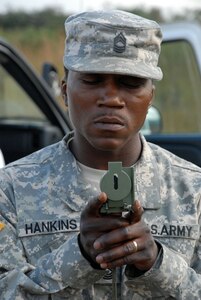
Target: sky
75,6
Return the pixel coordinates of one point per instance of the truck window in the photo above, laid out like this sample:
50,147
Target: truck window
15,103
177,96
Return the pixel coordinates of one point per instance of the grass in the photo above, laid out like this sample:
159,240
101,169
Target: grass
38,45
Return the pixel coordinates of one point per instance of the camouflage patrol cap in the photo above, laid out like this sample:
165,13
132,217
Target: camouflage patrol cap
113,42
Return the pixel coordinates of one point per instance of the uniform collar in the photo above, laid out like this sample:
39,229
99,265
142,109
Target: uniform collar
147,178
78,193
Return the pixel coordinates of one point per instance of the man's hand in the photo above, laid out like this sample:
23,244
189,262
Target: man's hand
93,225
113,241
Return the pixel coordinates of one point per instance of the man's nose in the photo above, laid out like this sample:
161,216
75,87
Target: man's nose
110,95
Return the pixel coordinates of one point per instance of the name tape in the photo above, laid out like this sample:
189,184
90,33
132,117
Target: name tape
45,227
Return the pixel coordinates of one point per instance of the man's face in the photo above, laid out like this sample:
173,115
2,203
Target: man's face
107,110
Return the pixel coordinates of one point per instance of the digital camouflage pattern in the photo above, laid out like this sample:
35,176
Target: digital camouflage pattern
114,42
41,197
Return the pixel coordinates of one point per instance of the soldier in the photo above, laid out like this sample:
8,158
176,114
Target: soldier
54,241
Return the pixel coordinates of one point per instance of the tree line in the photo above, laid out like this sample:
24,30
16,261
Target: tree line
54,18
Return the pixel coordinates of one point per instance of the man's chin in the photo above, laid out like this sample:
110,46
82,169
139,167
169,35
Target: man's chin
107,144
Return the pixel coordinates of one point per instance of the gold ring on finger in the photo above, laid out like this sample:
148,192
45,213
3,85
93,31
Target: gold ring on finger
135,246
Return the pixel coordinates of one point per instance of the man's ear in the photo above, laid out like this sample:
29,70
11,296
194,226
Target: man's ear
63,91
152,95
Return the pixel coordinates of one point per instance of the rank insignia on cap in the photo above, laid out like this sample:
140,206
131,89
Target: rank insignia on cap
2,225
119,43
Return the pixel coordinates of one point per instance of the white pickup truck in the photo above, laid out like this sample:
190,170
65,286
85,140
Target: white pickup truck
30,117
2,162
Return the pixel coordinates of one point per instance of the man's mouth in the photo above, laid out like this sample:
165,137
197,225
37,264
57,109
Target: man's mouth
112,123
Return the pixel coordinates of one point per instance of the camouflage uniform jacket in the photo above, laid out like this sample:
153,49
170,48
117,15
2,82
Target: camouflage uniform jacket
41,197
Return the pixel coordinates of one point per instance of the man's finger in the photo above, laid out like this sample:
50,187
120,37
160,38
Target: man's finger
136,213
93,206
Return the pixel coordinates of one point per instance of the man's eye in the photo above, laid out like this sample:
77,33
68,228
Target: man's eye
132,85
90,81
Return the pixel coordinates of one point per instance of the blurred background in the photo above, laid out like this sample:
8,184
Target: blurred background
36,27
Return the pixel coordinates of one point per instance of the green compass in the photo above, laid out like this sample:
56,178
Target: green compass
118,184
